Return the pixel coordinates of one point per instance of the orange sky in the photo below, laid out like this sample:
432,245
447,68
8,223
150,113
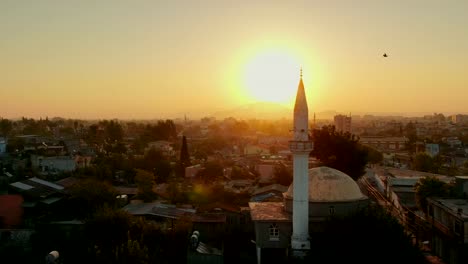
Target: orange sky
152,59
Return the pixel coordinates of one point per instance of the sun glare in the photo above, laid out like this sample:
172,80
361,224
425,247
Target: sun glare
272,76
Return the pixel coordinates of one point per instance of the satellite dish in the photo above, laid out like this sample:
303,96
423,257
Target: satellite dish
52,257
194,241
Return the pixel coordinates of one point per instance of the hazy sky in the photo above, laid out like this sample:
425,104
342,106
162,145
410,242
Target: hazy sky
150,59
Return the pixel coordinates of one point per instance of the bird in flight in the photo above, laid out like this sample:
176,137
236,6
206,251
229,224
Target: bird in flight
385,55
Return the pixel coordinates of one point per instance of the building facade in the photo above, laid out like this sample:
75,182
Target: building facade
342,123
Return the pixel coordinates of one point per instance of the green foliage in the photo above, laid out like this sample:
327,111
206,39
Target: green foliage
203,194
113,130
5,127
213,170
90,195
240,173
430,186
282,175
114,236
340,151
149,159
145,184
422,162
374,156
163,170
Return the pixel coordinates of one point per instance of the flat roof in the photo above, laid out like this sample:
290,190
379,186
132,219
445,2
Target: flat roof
47,183
269,211
21,186
405,174
454,205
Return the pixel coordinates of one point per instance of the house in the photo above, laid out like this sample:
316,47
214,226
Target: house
11,211
449,220
256,150
266,172
165,147
46,164
384,143
270,193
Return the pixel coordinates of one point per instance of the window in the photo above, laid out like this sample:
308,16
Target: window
274,232
331,209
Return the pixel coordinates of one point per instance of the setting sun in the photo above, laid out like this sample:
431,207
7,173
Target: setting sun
272,76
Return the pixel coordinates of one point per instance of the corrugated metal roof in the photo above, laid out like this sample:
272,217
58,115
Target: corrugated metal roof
22,186
47,183
51,200
205,249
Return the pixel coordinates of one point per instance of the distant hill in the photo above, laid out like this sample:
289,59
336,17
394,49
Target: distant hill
267,110
261,110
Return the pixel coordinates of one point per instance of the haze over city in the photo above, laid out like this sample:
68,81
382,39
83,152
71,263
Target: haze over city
151,59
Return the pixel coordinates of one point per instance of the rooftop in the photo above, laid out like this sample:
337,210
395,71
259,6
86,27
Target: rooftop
269,211
404,173
454,205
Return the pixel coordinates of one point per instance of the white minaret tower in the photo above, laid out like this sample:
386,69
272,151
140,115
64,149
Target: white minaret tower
300,147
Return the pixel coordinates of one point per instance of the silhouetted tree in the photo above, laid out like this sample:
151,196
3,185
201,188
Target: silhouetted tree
282,175
89,195
184,155
374,156
162,170
424,162
430,186
213,170
145,184
340,151
5,127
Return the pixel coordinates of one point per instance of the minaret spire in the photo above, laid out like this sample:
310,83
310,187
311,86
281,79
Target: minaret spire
300,147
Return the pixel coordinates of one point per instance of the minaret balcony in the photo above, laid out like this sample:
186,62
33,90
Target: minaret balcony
301,146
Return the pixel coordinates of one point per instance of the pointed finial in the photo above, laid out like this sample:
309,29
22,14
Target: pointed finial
301,72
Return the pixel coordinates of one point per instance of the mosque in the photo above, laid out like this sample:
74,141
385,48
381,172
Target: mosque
316,194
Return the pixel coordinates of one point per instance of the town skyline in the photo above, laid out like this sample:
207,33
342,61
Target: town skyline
116,59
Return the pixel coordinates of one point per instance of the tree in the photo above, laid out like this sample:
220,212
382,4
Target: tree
184,155
145,184
340,151
5,127
282,175
162,170
424,162
430,186
108,235
374,156
184,160
89,195
213,170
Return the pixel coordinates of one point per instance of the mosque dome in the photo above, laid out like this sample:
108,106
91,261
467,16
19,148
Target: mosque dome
330,185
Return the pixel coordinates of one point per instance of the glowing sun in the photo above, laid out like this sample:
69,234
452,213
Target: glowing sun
272,76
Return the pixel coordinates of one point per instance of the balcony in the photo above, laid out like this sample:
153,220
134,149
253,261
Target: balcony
301,146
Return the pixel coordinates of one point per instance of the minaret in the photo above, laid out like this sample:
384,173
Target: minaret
300,147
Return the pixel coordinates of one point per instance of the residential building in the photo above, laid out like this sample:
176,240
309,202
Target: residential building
449,219
342,123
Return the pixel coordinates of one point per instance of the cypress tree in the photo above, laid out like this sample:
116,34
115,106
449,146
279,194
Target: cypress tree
184,155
